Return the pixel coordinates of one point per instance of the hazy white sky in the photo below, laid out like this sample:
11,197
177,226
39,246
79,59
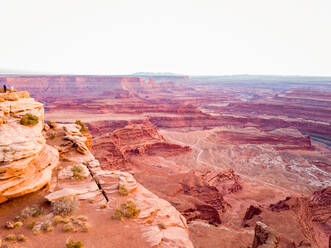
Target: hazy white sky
180,36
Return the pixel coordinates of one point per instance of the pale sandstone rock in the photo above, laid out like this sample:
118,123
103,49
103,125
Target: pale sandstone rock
62,193
26,162
67,172
154,211
78,142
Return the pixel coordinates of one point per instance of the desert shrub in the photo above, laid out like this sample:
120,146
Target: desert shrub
21,238
47,226
103,206
57,219
36,229
27,212
128,210
68,227
77,171
52,136
66,220
32,224
64,206
52,124
82,218
123,190
37,212
29,120
85,227
74,244
11,237
83,127
18,224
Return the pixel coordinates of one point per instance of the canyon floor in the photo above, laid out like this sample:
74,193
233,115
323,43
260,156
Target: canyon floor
224,152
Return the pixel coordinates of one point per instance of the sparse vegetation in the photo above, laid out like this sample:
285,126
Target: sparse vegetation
32,224
128,210
83,127
47,226
52,124
123,190
82,218
68,227
74,244
85,227
29,120
18,224
64,206
52,136
21,238
27,212
57,219
66,220
11,237
77,171
103,206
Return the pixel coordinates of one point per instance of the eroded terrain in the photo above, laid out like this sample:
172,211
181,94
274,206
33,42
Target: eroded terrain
224,152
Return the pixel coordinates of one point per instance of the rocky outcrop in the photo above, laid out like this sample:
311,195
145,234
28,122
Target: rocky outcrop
26,162
265,237
113,149
313,213
163,225
160,223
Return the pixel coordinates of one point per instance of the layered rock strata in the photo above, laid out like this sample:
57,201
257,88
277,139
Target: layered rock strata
162,225
26,162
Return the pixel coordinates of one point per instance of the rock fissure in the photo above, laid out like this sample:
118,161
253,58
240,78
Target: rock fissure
97,182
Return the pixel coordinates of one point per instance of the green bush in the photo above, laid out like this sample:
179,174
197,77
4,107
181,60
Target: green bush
83,127
29,120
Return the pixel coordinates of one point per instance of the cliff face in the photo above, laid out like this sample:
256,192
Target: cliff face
26,162
314,214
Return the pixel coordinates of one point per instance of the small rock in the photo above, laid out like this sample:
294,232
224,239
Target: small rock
9,225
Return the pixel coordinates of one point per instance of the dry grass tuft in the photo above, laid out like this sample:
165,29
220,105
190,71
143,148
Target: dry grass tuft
128,210
21,238
83,127
123,190
29,120
77,171
11,237
64,206
74,244
68,227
